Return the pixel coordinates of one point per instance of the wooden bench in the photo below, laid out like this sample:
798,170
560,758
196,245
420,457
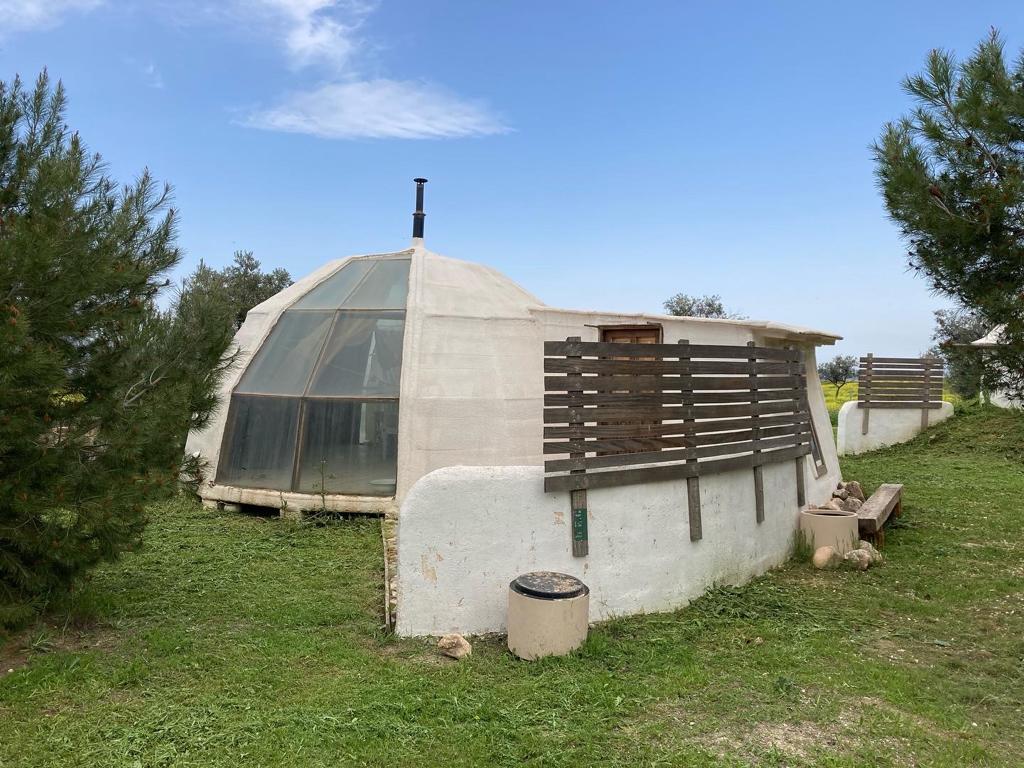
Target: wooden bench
886,501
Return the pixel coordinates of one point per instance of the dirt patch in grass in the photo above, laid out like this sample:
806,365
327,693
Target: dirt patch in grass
13,656
807,742
49,637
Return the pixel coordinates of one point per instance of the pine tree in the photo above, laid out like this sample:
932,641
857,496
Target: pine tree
98,386
952,176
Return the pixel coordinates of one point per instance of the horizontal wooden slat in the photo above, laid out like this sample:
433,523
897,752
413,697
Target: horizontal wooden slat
715,383
901,367
897,398
897,377
915,360
661,383
934,384
610,349
667,398
907,394
675,455
904,371
724,425
664,413
656,443
907,406
901,388
612,367
705,429
669,472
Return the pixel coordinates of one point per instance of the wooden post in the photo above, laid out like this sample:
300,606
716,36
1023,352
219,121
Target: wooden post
692,483
801,461
927,386
755,436
578,499
866,404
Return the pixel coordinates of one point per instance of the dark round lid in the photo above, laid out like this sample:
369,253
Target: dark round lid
548,585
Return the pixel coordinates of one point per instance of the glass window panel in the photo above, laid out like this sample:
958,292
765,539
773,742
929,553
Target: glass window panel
283,363
336,288
385,287
349,447
259,446
363,357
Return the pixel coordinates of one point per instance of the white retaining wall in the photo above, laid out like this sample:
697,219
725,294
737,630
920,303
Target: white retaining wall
465,532
1001,399
886,426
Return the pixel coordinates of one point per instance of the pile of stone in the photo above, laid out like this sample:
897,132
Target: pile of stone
847,497
861,558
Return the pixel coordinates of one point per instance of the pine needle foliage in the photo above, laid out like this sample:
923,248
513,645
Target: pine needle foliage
952,176
98,385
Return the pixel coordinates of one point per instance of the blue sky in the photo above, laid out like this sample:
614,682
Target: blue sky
605,155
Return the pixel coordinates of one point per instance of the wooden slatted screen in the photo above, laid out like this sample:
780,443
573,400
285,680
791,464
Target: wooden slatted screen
617,414
899,382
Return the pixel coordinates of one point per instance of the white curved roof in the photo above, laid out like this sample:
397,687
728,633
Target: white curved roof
991,339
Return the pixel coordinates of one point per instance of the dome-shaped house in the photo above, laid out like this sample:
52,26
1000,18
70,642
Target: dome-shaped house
371,372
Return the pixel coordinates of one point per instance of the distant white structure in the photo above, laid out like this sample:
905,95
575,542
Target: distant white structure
889,427
998,397
897,399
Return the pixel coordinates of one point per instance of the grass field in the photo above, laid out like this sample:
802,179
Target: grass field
234,640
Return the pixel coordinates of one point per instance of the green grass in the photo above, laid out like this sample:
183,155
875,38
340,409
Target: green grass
232,640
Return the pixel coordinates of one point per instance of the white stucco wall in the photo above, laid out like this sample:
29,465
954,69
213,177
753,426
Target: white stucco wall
886,426
465,532
1001,399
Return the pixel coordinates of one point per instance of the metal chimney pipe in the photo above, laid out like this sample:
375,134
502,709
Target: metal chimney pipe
418,216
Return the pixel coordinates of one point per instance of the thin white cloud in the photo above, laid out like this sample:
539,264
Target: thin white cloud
326,34
378,109
312,32
39,14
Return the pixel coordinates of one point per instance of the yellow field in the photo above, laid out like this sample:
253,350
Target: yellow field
849,392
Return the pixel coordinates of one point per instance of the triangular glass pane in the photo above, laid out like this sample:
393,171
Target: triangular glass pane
282,365
385,287
335,289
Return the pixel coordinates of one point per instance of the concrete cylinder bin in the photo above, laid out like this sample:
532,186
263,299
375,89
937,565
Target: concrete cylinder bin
830,528
548,614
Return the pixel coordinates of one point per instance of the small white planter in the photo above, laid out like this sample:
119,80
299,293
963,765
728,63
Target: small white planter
548,614
830,528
